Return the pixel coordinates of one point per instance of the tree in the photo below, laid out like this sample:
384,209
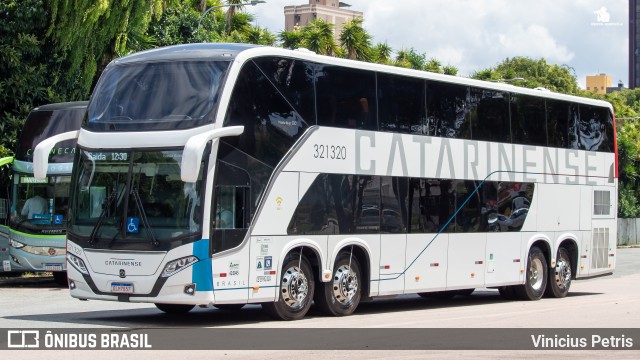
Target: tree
535,73
355,41
291,39
26,65
411,59
231,11
433,65
382,53
88,34
318,37
450,70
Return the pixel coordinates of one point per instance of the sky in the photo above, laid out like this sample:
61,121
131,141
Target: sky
591,36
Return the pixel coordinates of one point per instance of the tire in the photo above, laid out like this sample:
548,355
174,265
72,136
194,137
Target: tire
560,280
440,295
230,307
60,277
536,276
465,292
296,290
175,308
341,296
507,292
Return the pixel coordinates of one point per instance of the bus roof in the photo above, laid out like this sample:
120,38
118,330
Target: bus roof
62,106
204,51
46,121
244,52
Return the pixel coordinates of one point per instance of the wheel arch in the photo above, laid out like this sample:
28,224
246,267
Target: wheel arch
544,244
362,252
310,250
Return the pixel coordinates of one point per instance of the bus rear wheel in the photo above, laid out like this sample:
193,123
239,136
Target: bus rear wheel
536,276
175,308
560,279
296,290
341,296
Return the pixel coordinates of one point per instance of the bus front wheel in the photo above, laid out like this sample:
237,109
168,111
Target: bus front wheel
296,289
535,282
560,279
175,308
341,295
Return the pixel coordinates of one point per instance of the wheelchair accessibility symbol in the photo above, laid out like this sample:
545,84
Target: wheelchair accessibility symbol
132,225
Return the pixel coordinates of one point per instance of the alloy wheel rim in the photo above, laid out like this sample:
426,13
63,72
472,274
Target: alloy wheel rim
536,274
294,288
345,284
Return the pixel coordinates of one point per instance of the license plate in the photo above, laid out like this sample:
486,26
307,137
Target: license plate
6,265
52,267
123,288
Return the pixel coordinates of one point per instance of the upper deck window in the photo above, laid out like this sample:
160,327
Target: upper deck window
156,96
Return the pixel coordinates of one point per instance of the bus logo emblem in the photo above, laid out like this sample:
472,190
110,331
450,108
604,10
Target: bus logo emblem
122,273
52,251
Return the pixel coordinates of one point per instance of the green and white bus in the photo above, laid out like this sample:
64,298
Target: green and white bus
38,208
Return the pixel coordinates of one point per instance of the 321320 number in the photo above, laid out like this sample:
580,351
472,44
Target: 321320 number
332,152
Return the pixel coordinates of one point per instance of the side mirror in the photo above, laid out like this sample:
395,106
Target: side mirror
193,149
42,150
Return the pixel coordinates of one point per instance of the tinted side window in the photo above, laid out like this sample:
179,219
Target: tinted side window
512,206
401,104
446,112
528,120
431,205
573,127
595,129
469,218
271,126
367,204
489,111
394,193
294,79
558,123
346,98
316,213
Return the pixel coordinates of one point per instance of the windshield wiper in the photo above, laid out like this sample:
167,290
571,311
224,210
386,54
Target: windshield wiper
143,215
106,205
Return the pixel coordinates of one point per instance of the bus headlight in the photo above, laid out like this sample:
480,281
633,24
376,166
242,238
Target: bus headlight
16,244
177,265
77,263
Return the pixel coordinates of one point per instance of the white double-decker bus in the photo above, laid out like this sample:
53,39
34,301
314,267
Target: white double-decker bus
223,174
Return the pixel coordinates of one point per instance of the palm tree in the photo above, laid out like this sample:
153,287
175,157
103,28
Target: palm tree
382,53
355,40
291,39
231,12
318,37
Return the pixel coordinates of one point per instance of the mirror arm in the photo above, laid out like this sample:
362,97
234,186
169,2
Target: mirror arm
194,148
43,149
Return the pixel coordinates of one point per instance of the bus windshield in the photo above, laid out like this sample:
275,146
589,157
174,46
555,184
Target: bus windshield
40,207
156,96
133,196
